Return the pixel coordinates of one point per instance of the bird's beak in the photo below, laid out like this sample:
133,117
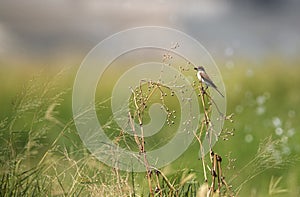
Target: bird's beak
195,68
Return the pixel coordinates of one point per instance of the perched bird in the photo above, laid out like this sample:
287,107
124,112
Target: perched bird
204,78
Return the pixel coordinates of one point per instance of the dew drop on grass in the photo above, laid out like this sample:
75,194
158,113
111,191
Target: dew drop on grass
276,122
248,138
261,100
260,110
279,131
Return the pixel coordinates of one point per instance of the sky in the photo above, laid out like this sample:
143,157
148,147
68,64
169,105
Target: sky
48,30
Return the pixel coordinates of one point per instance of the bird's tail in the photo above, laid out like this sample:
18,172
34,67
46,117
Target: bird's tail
219,92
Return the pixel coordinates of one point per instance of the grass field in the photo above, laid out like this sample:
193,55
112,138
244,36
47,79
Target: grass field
42,154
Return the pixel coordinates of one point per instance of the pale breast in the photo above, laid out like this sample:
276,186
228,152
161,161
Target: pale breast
199,76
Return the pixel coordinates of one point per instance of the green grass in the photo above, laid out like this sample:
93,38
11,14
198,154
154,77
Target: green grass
44,156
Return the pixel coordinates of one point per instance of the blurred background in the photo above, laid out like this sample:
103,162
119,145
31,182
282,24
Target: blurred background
256,44
60,31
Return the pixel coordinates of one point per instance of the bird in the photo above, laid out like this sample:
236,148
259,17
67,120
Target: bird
204,78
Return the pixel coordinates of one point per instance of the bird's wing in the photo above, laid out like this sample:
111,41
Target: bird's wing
206,78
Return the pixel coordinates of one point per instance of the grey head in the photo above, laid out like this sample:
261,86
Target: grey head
199,68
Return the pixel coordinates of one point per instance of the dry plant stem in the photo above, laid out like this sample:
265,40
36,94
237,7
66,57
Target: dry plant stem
202,93
158,188
220,174
157,86
216,170
170,185
213,171
116,172
198,137
206,123
202,152
141,142
135,136
139,109
206,116
219,171
62,132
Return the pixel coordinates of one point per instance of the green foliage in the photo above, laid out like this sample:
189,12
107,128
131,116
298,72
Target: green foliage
42,155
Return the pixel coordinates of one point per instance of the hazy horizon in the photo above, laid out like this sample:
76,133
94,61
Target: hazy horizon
51,30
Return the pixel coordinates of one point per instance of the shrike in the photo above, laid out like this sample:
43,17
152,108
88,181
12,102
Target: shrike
204,78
